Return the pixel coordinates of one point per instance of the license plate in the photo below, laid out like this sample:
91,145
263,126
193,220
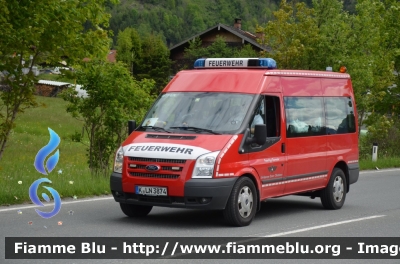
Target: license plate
153,191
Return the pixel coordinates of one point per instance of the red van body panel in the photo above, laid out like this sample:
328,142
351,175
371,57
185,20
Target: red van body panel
292,165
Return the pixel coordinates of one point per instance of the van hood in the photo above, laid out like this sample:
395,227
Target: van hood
172,146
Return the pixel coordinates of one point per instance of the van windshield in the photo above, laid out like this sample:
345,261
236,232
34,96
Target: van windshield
198,112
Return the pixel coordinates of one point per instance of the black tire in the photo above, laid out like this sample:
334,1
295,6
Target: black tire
334,194
235,213
135,210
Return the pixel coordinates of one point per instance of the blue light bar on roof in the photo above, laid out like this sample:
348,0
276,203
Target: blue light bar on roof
199,63
267,63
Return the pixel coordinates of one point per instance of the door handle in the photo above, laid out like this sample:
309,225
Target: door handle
283,148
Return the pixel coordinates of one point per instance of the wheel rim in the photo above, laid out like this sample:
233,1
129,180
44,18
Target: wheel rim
245,202
338,189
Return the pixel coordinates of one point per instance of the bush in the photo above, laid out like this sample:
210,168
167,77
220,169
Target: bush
385,132
76,137
114,97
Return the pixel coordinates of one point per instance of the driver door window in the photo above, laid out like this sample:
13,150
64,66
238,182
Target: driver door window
267,112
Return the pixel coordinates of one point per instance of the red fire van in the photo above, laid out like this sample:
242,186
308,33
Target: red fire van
232,133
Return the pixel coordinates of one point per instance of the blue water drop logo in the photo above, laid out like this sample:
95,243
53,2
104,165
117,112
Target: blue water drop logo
50,165
45,151
35,199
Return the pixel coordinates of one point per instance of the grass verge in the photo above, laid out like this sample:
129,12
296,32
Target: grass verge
381,163
71,177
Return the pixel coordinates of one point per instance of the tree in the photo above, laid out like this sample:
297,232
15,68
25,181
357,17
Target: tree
45,30
155,62
370,58
326,35
334,29
246,52
218,49
391,101
195,50
129,48
114,97
146,56
292,36
381,96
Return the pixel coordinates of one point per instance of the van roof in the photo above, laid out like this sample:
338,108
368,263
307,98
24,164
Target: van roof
236,80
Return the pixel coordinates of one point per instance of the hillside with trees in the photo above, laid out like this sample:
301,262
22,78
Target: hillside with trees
176,20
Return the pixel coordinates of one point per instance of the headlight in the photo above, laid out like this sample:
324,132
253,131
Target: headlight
119,160
204,167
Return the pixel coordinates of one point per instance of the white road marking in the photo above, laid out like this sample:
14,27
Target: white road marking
381,170
63,203
323,226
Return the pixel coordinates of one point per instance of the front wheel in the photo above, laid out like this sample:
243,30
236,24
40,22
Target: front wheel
135,210
334,194
242,203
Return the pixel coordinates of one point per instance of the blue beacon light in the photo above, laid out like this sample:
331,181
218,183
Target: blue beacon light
199,63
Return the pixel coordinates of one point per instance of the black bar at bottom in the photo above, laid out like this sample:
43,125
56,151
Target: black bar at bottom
202,247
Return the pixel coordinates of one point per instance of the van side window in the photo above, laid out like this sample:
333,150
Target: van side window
339,115
304,116
267,112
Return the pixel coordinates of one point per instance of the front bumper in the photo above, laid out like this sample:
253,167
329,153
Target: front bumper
215,191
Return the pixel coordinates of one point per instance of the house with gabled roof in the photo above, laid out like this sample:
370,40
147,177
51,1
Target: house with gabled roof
234,35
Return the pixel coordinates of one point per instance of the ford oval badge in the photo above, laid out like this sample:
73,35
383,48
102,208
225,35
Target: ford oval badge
152,167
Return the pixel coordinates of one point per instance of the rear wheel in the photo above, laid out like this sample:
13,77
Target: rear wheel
135,210
334,194
242,203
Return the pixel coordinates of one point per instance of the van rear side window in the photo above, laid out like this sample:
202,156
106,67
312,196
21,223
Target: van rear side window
316,116
339,115
304,116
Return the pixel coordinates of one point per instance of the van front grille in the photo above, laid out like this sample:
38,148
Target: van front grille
170,137
157,160
154,175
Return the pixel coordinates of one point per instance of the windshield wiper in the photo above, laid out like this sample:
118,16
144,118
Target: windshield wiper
156,128
196,129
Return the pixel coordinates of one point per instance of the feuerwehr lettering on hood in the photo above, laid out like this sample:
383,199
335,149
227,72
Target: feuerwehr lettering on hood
163,150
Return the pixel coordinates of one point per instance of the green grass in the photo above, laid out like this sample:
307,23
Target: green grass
31,134
28,137
55,77
381,163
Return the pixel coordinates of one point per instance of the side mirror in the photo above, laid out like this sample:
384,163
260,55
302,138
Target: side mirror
131,126
260,135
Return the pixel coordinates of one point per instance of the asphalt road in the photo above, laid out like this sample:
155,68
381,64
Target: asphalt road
372,209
